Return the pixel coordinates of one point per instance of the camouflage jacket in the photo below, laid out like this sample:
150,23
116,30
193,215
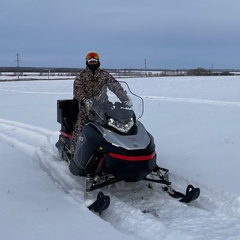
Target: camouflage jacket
89,84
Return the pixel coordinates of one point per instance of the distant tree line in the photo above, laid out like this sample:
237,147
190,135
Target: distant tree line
40,69
122,72
205,72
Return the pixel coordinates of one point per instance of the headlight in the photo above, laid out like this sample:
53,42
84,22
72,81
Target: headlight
121,127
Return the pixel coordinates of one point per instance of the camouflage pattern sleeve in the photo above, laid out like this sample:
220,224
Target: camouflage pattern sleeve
78,88
117,88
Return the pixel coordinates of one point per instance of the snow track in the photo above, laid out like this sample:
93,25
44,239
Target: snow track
194,100
135,208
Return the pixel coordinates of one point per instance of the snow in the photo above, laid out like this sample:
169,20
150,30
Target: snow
195,123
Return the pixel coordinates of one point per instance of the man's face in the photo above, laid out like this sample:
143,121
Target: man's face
92,62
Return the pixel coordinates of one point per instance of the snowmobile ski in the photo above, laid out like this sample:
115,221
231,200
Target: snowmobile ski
102,203
192,193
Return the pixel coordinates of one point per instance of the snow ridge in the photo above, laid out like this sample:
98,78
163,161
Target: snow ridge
194,100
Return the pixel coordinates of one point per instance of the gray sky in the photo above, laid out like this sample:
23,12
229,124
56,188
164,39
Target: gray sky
167,33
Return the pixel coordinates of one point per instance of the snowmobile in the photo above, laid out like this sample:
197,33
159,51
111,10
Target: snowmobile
114,146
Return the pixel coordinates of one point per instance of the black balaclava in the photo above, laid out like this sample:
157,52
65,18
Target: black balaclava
93,67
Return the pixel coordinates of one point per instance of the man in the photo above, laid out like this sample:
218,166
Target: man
88,83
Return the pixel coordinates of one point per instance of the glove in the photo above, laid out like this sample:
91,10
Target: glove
88,104
128,103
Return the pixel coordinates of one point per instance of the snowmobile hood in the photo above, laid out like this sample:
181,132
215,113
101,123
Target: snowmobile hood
130,142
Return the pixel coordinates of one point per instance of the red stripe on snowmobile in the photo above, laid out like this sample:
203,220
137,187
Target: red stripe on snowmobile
132,158
66,134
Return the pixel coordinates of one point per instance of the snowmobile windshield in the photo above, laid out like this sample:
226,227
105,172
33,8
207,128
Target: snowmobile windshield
119,95
116,106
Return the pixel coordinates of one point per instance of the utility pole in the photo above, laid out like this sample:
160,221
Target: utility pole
18,61
145,66
211,69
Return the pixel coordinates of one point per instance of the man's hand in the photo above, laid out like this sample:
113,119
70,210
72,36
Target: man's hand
87,102
88,105
128,103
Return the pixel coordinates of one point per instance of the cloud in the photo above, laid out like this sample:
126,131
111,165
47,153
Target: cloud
180,33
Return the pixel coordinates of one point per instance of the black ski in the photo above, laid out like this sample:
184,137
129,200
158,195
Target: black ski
102,203
192,194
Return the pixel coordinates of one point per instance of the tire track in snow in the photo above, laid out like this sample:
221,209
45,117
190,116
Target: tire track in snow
24,137
34,92
39,144
194,100
164,217
59,173
174,215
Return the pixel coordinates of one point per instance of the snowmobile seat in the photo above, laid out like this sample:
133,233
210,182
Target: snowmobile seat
67,112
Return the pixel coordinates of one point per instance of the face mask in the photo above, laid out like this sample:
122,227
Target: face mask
93,67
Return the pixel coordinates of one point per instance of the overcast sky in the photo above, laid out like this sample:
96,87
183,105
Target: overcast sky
167,33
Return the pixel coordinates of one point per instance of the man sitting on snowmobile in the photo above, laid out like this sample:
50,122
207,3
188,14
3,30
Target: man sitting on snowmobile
87,84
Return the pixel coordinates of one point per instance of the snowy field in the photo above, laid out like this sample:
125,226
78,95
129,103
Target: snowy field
196,125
